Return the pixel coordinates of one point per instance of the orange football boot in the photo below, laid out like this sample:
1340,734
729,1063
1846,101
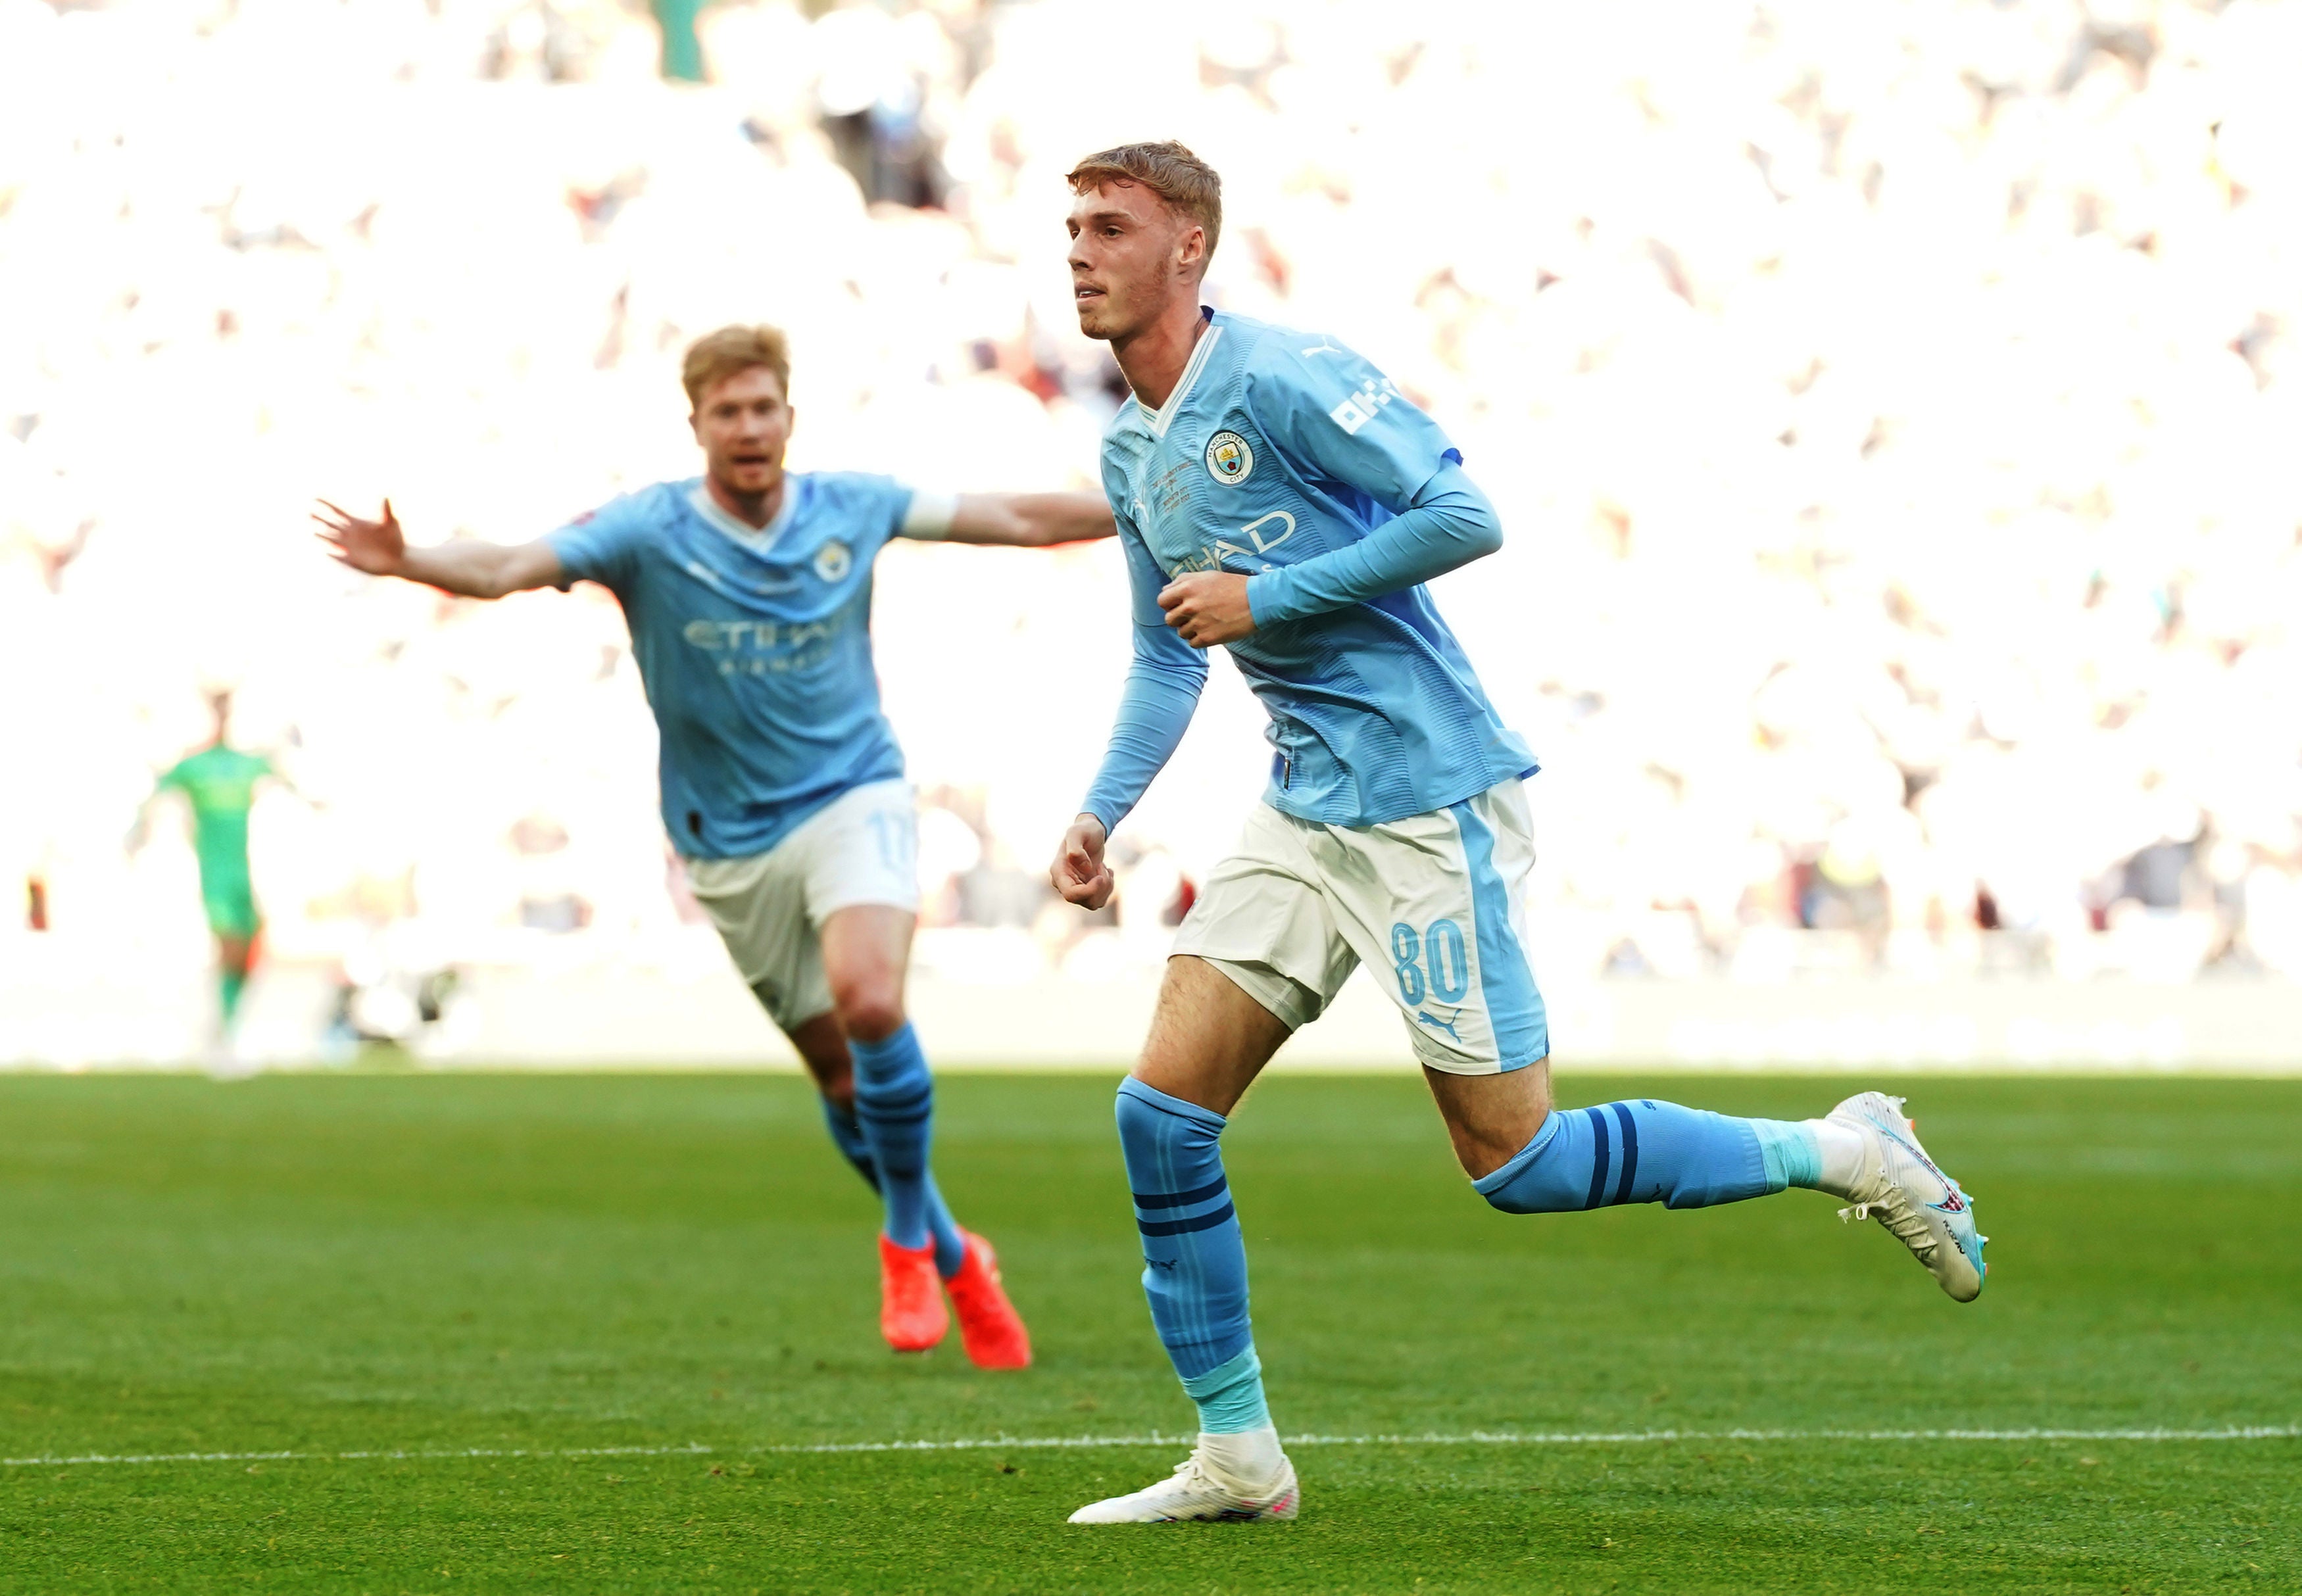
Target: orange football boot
989,1327
911,1313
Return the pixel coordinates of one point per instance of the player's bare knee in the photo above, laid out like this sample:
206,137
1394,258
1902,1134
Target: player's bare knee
871,1011
1491,1119
1483,1149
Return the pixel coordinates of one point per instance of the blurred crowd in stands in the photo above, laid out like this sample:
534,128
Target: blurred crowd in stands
1893,409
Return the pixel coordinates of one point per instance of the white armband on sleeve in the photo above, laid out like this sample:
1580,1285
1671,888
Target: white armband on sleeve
931,516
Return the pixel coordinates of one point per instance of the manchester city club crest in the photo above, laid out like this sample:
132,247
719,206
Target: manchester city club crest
1229,458
833,560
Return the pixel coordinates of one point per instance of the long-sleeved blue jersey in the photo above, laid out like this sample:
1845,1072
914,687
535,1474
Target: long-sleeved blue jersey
1283,456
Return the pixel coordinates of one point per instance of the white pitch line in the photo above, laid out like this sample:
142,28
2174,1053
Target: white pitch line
1590,1438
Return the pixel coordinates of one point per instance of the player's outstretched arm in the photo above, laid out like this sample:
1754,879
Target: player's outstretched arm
471,570
1030,520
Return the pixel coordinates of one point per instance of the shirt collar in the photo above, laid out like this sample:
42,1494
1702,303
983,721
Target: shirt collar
759,540
1164,418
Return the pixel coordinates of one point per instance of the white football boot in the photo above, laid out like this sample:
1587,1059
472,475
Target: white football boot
1901,1188
1195,1493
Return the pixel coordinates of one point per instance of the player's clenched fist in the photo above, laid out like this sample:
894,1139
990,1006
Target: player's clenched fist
1208,608
1080,873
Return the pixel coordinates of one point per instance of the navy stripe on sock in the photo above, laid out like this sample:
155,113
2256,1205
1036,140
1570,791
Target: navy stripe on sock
1182,1199
1630,1152
1597,1156
897,1101
1184,1227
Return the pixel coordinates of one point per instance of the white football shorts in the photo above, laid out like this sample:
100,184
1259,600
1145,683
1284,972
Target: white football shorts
1432,904
862,847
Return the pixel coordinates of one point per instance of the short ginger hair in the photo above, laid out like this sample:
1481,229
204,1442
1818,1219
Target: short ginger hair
1187,184
718,356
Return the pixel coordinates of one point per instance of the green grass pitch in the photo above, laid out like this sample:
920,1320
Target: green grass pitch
376,1263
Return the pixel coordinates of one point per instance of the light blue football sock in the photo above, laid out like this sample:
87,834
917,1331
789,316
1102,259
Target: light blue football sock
894,1105
949,1245
1793,1158
1230,1397
847,1136
1195,1260
1638,1152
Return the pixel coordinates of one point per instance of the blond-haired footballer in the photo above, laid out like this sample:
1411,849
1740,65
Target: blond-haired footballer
1278,495
748,591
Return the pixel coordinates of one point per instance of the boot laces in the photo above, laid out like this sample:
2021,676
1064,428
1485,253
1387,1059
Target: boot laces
1894,1213
1192,1482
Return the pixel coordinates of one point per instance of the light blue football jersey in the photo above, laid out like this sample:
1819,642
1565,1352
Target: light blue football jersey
1277,447
755,648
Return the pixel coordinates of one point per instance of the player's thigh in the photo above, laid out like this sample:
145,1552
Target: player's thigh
759,905
1257,957
859,859
1262,920
1209,1037
229,900
1432,905
865,950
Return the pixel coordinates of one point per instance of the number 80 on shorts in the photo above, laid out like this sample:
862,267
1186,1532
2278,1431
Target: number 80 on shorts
1434,961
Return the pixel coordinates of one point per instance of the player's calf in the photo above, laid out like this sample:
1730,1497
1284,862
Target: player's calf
1195,1275
1642,1151
894,1105
1195,1260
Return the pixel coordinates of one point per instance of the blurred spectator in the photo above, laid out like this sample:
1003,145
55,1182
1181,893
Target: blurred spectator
1892,414
548,900
682,51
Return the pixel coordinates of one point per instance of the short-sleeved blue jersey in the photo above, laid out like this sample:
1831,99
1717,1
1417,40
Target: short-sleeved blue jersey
755,648
1276,446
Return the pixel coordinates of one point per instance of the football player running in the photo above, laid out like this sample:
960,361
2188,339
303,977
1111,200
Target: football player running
748,592
1277,494
219,781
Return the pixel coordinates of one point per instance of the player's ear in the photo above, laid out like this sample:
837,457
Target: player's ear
1191,253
